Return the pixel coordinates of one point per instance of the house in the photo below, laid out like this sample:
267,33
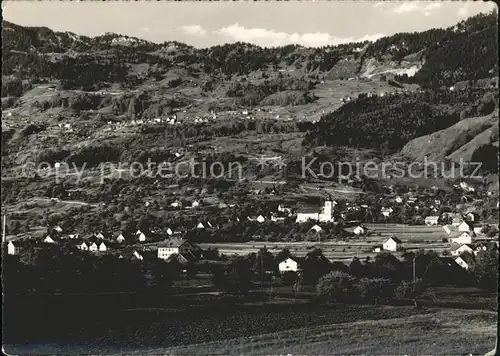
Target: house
73,236
377,249
93,247
140,236
288,265
464,238
398,200
12,249
466,187
478,230
58,229
457,250
99,235
195,204
447,229
465,226
48,240
392,244
259,218
138,256
465,261
176,204
386,212
316,228
83,247
200,226
277,218
359,230
431,220
120,238
324,215
170,247
103,247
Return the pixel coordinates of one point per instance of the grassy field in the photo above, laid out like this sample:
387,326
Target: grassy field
445,332
413,238
275,329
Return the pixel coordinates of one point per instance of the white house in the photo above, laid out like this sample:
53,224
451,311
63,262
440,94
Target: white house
12,249
58,229
120,238
398,200
462,263
83,247
176,204
93,247
465,226
359,230
200,225
259,219
457,251
103,247
466,187
169,231
195,204
138,255
464,238
316,228
170,247
377,249
325,214
447,229
431,220
49,240
478,230
140,236
386,212
288,265
99,235
392,244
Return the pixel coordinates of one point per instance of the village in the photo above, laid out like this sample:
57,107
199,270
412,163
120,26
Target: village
337,228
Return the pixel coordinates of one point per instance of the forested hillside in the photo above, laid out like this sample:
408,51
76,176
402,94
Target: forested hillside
389,122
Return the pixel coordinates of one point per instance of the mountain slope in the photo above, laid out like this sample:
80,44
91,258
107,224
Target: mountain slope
457,141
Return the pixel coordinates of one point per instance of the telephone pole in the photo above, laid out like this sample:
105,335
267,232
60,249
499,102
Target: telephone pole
4,236
414,275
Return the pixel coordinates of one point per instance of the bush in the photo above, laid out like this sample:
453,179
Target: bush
336,286
375,289
409,289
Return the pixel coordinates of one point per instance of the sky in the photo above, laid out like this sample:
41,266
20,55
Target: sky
204,24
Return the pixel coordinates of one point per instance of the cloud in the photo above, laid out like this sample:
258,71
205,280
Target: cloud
272,38
194,30
407,7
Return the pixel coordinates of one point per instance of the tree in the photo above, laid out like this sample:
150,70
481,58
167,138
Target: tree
375,289
336,286
486,270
